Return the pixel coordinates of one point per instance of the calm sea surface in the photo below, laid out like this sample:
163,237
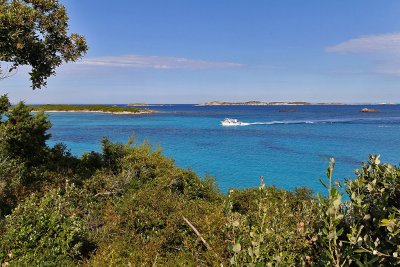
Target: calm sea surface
286,148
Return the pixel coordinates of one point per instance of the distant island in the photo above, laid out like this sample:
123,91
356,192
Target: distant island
251,103
115,110
137,104
260,103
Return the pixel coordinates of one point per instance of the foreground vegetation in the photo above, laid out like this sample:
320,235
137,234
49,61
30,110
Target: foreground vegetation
130,204
90,108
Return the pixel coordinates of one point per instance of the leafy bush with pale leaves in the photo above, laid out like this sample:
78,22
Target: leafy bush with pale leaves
272,226
366,228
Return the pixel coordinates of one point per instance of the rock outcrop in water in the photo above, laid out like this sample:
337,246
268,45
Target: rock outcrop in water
369,110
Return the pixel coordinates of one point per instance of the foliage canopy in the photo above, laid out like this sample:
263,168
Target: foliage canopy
35,33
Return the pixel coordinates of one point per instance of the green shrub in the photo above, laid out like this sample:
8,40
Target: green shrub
23,140
89,163
60,159
10,187
143,195
4,104
335,252
366,229
374,212
150,220
272,226
45,230
23,135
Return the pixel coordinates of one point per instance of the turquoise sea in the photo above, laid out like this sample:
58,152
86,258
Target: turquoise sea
287,148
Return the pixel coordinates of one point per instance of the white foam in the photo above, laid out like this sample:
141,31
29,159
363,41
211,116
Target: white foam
311,121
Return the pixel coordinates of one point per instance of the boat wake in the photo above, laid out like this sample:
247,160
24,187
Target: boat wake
280,122
328,121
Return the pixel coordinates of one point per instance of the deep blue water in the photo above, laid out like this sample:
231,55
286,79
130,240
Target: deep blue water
287,150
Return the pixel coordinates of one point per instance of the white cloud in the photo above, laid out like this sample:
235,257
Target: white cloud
383,50
370,44
156,62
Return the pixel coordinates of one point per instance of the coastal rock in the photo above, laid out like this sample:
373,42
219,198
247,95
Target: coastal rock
369,110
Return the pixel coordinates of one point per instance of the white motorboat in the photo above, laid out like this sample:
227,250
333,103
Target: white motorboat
232,122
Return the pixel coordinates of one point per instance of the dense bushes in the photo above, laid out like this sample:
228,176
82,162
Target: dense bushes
375,198
23,140
130,204
44,230
278,227
364,230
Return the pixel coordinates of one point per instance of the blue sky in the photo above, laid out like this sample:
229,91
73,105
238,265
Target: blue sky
195,51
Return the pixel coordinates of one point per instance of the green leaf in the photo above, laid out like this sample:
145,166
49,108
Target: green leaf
385,222
237,248
373,260
340,232
370,188
377,161
359,251
330,211
337,202
328,172
322,182
250,251
332,236
320,198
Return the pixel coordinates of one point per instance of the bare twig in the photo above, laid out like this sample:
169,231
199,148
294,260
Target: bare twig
199,235
155,261
380,253
8,73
